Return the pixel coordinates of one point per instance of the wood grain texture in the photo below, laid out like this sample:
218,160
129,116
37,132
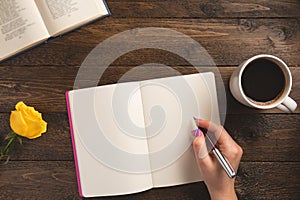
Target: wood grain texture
55,144
267,137
44,86
204,8
57,180
231,31
228,41
268,180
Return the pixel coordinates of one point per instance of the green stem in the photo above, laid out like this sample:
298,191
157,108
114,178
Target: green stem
11,140
7,150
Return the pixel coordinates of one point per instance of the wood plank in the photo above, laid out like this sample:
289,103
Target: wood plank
38,180
228,41
53,52
57,180
268,180
34,86
41,87
203,8
55,144
268,137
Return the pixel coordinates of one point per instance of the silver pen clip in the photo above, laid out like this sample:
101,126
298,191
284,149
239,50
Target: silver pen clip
224,163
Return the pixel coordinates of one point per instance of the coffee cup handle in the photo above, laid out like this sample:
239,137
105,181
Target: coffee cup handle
288,105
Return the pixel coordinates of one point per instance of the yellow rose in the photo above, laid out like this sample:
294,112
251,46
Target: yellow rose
27,122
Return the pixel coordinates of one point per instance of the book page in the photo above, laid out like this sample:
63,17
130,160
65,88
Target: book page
21,26
169,107
109,134
62,16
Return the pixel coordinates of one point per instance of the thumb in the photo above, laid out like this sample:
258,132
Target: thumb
200,150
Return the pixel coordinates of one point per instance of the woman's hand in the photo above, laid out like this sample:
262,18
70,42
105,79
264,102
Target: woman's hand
219,185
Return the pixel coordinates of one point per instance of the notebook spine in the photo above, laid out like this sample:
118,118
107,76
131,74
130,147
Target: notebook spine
73,143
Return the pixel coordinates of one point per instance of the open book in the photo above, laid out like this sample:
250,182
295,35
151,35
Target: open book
25,23
130,137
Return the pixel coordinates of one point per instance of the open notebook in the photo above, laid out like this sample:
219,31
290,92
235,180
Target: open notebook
133,136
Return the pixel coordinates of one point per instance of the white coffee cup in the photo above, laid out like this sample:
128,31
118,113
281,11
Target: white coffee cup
282,100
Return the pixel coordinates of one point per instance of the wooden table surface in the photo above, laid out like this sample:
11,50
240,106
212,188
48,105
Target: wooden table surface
231,31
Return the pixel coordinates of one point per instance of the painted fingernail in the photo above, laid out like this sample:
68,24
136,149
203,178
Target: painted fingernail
197,119
198,132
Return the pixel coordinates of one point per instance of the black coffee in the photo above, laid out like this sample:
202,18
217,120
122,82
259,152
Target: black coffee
263,80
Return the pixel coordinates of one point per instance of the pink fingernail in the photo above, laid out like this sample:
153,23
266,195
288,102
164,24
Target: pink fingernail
198,132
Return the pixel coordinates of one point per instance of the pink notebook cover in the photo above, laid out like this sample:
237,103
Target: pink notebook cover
73,143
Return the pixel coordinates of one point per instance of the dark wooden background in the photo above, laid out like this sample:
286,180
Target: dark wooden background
230,30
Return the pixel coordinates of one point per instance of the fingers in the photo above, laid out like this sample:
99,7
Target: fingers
219,132
232,151
210,126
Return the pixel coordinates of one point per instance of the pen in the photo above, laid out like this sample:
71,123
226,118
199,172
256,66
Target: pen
222,160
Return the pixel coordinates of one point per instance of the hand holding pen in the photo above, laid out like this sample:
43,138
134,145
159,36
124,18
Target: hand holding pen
219,185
